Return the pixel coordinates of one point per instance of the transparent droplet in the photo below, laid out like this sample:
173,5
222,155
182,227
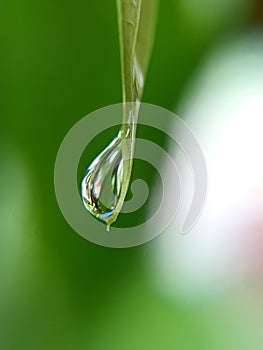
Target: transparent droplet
102,184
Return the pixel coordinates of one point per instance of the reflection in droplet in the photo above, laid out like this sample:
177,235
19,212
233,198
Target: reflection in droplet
105,184
101,186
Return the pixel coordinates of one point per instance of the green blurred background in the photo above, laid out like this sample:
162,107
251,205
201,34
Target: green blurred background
59,61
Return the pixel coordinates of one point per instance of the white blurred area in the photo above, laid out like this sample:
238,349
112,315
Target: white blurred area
223,253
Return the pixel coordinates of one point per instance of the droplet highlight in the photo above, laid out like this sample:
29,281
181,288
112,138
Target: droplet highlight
102,184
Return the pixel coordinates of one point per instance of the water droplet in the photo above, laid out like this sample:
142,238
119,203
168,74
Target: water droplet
101,186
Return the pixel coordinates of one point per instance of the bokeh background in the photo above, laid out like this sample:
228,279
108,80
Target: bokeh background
59,61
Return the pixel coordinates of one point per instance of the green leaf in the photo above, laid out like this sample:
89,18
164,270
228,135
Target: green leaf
137,20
